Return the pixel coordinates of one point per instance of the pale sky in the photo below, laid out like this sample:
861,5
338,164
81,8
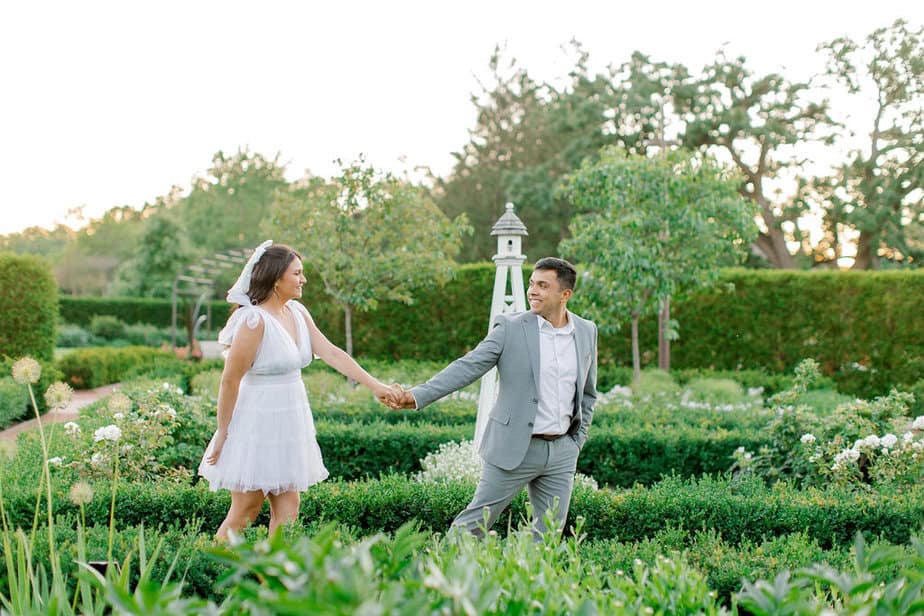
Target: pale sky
112,103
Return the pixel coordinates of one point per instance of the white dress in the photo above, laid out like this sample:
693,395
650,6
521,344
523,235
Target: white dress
271,444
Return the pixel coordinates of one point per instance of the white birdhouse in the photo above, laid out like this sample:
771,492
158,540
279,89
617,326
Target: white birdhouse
509,296
509,231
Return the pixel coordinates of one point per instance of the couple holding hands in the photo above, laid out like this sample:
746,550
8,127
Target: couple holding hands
265,445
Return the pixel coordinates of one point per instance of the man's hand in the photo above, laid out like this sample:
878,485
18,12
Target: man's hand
404,398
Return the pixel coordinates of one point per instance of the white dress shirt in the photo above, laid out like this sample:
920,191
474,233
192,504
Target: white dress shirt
557,378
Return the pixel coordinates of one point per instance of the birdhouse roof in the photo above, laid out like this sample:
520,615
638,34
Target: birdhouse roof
509,224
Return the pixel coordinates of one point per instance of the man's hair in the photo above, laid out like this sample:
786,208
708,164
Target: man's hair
564,271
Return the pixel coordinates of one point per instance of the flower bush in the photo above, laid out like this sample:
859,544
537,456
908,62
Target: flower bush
841,447
458,461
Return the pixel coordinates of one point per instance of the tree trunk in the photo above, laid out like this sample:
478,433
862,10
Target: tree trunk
348,334
636,358
348,328
664,344
866,253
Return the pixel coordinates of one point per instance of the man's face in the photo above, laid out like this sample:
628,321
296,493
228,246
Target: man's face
545,294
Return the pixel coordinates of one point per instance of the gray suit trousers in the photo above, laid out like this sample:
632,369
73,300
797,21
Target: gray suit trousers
547,471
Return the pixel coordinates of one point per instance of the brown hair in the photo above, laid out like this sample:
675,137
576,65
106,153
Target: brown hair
268,270
564,271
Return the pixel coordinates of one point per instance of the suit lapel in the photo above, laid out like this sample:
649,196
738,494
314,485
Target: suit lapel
531,329
579,347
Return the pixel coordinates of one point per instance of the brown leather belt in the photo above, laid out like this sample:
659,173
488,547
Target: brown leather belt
549,437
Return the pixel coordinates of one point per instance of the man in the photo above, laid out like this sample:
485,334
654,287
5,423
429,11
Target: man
546,360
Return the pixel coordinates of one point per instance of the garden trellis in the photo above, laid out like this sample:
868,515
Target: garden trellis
198,281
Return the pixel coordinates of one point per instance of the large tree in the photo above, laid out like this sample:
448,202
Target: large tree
224,208
375,237
754,121
528,135
879,191
653,227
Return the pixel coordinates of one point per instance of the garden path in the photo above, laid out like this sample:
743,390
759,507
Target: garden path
81,399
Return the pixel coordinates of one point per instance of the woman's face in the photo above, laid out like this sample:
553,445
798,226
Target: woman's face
290,285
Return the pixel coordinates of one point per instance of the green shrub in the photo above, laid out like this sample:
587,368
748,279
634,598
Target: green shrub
107,327
917,390
50,374
655,383
737,511
823,401
14,402
716,391
29,307
73,336
93,367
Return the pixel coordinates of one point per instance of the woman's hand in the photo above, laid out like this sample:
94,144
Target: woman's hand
217,446
386,395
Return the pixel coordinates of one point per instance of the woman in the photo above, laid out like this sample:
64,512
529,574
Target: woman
265,445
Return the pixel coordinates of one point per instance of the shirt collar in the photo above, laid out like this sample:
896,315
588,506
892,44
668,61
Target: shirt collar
561,331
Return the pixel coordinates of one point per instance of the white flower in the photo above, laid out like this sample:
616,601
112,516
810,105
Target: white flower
871,441
907,437
166,386
755,391
26,371
847,455
918,423
99,459
55,461
119,416
111,432
71,428
747,455
888,441
58,395
807,438
81,493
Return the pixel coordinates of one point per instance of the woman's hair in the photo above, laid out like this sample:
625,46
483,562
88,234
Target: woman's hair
268,270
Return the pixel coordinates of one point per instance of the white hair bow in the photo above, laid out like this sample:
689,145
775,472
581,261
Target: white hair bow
237,294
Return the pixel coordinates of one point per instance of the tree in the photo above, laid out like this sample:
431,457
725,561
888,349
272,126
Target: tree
374,237
880,192
224,209
160,255
753,120
527,136
653,228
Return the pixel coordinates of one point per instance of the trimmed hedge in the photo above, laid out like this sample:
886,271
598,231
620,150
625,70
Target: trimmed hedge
29,307
737,511
865,328
81,310
94,367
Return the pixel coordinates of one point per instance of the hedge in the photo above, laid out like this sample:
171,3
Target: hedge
736,511
865,328
93,367
28,307
724,563
153,311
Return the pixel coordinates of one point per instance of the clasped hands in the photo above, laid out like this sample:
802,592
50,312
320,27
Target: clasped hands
396,397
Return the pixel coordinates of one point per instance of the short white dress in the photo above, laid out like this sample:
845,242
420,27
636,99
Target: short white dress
271,444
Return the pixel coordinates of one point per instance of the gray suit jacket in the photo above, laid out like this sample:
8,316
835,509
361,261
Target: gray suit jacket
513,346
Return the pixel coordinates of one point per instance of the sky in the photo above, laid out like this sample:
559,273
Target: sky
106,104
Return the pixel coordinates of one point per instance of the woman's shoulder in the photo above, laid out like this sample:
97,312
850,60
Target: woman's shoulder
298,308
251,316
